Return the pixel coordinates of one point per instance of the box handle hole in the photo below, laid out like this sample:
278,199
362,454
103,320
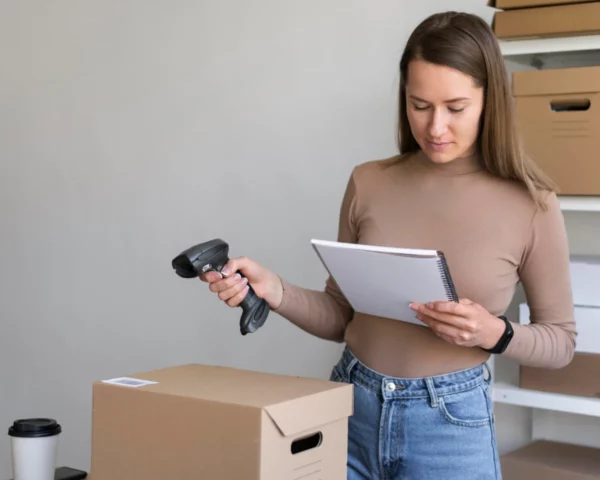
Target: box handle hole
307,443
572,105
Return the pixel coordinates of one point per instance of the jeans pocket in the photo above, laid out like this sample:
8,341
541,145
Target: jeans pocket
470,408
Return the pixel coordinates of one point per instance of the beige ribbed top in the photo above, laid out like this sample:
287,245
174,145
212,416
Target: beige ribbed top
492,235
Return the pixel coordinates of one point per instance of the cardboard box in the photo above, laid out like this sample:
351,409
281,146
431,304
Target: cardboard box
552,21
587,321
547,460
210,422
512,4
558,117
580,378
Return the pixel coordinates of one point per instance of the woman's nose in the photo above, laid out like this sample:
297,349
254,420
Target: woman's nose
438,124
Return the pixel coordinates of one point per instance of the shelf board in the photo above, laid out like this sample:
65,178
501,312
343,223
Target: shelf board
579,204
550,45
553,52
512,395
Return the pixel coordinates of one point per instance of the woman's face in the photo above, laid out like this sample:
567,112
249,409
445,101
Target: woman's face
444,108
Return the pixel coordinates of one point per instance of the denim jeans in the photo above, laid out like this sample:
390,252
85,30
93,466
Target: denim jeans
432,428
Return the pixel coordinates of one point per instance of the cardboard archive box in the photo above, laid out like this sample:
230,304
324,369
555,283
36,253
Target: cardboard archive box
558,116
582,376
209,422
545,460
547,21
512,4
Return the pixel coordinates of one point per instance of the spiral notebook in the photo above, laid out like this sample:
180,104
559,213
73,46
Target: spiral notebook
383,281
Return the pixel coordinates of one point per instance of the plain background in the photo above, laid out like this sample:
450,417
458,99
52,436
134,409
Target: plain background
131,130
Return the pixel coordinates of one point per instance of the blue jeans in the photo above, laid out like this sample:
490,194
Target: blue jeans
431,428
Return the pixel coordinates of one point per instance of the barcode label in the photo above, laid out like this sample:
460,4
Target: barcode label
129,382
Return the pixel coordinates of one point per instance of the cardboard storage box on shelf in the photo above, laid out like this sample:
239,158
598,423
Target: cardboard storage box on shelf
582,376
558,118
547,460
512,4
547,21
210,422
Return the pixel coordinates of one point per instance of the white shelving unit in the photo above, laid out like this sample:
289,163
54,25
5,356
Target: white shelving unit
535,414
513,395
580,204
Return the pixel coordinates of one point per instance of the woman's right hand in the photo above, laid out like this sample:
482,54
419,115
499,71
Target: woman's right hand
232,288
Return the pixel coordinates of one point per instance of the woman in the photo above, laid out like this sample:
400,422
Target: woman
463,185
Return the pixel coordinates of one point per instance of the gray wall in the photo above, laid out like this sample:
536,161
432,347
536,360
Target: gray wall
131,130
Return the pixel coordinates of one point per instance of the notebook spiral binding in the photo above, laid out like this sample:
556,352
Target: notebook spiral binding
447,278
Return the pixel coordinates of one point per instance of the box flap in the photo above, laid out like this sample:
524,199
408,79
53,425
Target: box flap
562,81
310,412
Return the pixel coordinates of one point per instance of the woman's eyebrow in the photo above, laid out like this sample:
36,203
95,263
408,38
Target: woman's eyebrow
452,100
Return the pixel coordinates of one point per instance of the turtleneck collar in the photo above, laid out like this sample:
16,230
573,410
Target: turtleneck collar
458,166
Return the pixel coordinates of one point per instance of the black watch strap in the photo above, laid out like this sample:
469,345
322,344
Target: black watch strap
505,339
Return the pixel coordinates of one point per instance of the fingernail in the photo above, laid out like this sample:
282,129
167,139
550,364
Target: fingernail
414,306
225,271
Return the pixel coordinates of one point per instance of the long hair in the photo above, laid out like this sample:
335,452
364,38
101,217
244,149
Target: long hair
465,42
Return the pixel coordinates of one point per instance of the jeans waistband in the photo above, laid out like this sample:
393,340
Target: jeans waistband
395,387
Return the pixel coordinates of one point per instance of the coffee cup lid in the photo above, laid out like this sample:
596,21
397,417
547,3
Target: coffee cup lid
34,428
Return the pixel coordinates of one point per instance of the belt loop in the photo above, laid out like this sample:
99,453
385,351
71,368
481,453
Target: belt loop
350,366
350,361
433,398
488,377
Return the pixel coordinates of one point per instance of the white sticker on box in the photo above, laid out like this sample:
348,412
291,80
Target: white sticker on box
129,382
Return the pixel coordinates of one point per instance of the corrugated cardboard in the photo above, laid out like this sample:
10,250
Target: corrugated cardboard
511,4
545,460
553,21
581,377
558,115
209,422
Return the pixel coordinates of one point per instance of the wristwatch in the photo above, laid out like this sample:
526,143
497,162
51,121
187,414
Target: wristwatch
504,339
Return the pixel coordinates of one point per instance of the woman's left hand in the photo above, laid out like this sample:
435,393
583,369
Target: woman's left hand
466,323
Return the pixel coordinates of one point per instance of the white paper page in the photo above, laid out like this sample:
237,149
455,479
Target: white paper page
383,283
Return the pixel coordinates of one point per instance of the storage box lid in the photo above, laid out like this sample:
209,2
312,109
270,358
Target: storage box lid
514,4
561,81
280,396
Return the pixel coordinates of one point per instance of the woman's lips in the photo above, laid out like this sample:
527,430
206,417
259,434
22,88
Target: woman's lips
438,146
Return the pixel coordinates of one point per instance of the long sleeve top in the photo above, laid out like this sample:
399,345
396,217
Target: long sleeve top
493,236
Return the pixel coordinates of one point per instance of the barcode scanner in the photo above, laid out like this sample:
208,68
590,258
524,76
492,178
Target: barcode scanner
212,256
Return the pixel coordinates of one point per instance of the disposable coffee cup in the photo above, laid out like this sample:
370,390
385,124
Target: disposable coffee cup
34,443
